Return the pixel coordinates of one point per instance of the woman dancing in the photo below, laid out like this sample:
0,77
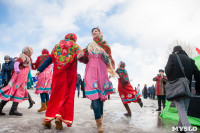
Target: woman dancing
97,56
125,89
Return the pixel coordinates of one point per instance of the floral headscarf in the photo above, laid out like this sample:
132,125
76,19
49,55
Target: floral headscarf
40,59
123,73
43,57
122,64
66,51
71,36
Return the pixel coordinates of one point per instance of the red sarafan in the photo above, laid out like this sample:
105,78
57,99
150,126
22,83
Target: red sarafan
61,103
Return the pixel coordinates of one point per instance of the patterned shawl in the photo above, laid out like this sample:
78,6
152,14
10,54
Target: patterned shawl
123,73
66,51
106,47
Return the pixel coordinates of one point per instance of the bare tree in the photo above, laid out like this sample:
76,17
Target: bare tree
188,48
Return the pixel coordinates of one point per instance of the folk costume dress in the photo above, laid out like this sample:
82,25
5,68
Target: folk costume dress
125,89
16,90
29,80
97,83
45,78
61,103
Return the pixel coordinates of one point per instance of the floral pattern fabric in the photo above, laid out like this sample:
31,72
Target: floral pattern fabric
123,75
106,47
65,52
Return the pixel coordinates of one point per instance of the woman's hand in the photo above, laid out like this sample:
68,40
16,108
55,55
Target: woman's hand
81,54
37,74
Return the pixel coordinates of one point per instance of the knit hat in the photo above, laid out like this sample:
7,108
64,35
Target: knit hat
7,57
177,48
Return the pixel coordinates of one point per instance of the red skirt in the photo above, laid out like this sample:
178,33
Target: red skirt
127,93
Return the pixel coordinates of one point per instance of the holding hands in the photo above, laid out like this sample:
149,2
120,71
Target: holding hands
37,74
81,54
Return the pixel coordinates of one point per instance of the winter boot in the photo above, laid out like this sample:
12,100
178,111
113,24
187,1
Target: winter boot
100,125
13,110
31,102
140,102
128,110
159,108
43,107
58,123
2,104
47,124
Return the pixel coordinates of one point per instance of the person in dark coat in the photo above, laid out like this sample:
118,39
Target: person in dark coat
78,84
149,92
83,88
145,92
153,89
7,70
173,72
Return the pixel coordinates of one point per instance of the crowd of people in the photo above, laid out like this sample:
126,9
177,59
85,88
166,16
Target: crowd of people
56,85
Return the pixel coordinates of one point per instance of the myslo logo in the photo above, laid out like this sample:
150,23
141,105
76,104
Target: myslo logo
184,128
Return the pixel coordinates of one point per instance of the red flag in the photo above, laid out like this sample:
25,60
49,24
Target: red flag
198,51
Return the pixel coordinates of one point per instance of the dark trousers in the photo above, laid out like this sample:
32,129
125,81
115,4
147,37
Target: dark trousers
78,88
84,93
161,98
44,97
97,106
108,97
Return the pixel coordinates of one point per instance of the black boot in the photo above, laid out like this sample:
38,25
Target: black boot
159,109
13,110
2,104
31,102
140,102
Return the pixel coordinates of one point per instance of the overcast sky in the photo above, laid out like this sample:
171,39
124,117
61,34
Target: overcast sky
138,31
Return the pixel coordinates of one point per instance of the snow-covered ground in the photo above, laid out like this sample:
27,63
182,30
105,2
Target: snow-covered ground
144,119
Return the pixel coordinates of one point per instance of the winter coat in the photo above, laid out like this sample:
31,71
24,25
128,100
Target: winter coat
173,70
160,85
7,69
79,81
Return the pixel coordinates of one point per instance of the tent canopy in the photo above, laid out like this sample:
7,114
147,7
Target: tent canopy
197,61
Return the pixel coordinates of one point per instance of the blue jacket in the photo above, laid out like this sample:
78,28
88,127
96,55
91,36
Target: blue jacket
7,69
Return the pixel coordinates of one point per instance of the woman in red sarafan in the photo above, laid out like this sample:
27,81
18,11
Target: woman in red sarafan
43,86
61,103
126,91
